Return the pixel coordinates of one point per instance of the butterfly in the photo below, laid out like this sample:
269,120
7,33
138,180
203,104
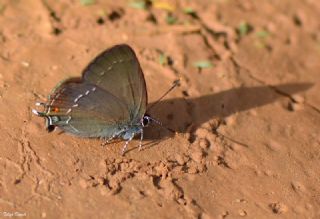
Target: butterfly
108,101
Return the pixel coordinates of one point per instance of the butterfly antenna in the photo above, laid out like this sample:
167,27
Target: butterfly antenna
175,84
161,125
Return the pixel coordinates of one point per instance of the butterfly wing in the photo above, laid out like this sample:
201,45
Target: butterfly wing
117,70
86,110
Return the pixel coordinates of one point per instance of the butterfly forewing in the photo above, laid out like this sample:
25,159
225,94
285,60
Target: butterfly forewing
118,71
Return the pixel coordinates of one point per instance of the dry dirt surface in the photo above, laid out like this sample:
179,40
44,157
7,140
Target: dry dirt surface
247,112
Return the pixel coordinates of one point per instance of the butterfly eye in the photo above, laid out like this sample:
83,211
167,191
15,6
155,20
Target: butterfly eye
146,120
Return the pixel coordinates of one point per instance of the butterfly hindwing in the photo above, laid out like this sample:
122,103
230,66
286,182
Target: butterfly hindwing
86,110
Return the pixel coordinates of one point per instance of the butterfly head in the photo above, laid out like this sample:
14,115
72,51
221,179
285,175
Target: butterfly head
146,120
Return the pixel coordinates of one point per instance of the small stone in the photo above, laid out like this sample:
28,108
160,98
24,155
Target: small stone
298,187
230,120
267,173
253,112
224,214
124,37
182,201
180,159
192,170
236,147
25,64
119,160
201,132
104,191
201,168
271,27
308,206
298,98
204,143
54,67
300,18
292,39
100,180
240,200
295,106
124,166
197,156
278,208
274,146
205,216
242,213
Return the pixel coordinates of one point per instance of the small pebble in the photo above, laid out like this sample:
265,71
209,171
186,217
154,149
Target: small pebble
274,146
298,187
25,64
205,216
201,132
204,143
267,173
180,159
278,208
104,191
240,200
308,206
197,156
236,147
253,112
182,201
292,40
298,98
54,67
230,120
242,213
271,27
192,170
295,106
124,37
201,168
300,18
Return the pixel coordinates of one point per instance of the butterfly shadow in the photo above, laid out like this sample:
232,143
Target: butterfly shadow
182,113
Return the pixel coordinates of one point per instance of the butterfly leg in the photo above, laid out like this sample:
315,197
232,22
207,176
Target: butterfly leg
107,141
126,145
141,138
